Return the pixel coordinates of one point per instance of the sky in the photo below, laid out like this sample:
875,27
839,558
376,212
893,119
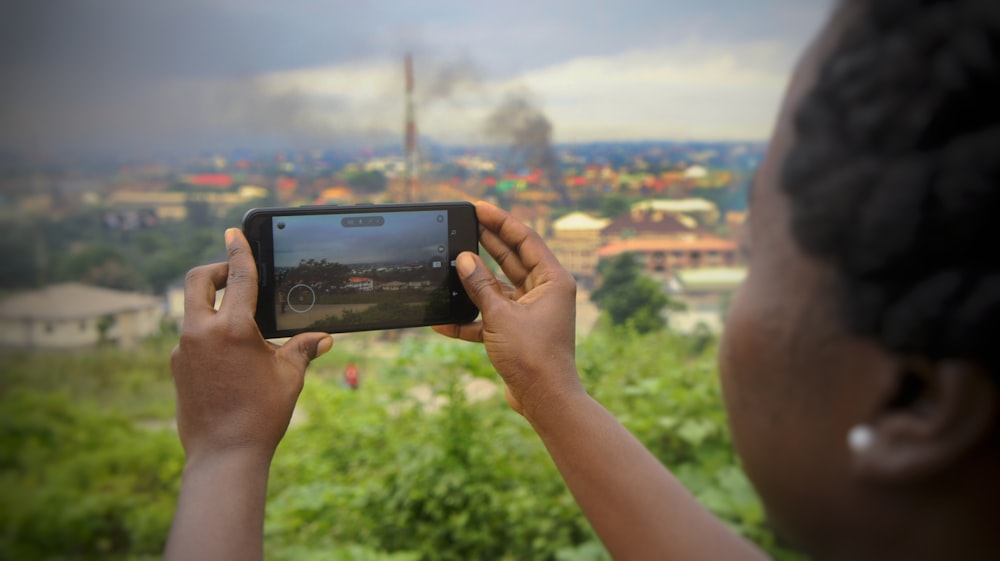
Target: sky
168,76
320,237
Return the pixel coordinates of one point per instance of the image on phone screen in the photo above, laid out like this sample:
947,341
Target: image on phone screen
347,272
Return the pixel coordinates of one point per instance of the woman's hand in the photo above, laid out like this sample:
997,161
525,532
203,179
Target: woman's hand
529,328
235,396
234,389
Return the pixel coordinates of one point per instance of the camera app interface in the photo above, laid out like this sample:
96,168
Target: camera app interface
350,271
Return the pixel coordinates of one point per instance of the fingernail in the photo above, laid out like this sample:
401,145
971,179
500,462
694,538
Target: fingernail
230,235
324,346
465,265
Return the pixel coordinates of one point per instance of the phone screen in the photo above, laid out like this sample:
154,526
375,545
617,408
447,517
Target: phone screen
373,269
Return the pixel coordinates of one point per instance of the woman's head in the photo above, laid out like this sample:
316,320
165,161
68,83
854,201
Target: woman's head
894,175
873,297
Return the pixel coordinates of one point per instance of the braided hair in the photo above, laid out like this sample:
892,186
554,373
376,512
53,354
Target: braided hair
894,177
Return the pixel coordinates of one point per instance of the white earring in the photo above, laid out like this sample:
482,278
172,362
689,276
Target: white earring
860,439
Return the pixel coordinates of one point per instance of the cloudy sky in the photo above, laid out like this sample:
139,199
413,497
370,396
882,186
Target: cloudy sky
312,237
173,75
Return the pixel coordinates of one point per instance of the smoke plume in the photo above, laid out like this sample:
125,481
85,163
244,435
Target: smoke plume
442,80
520,122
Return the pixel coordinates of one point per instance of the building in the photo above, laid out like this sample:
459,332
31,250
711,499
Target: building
703,211
650,224
662,239
363,284
669,255
535,216
73,315
706,294
173,205
575,240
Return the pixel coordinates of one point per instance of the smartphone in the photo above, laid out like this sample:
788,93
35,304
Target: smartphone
360,268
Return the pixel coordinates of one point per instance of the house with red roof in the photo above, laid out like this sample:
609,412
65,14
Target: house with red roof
363,284
649,224
666,255
213,180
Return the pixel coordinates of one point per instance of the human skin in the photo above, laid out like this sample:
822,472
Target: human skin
636,506
795,382
235,396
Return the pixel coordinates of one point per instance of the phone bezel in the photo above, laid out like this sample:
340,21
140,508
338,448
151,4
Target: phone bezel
257,226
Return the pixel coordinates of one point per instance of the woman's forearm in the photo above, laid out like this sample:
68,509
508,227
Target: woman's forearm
220,512
637,507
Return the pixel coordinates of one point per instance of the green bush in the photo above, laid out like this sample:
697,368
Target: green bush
406,468
82,483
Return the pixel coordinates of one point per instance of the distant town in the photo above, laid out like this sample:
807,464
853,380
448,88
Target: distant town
100,227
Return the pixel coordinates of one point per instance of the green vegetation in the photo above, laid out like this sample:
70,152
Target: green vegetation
613,206
629,297
41,250
412,466
366,182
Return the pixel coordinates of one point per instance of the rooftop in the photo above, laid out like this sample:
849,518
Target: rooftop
70,301
677,205
647,223
646,246
711,278
579,221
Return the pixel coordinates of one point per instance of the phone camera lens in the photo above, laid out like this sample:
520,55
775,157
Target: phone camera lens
281,225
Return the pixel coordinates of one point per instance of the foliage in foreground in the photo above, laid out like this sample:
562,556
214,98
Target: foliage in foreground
409,467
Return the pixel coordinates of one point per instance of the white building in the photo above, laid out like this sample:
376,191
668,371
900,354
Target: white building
695,172
706,294
575,240
73,315
701,210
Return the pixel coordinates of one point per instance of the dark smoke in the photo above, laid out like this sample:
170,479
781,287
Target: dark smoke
166,117
290,115
440,80
519,121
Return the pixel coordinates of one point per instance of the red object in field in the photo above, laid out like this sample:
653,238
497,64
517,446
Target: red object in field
351,376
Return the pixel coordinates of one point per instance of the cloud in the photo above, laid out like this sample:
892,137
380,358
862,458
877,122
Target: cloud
114,75
691,91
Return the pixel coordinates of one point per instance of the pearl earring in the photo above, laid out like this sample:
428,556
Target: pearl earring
860,438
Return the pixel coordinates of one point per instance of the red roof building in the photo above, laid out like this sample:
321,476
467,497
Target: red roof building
647,224
217,180
665,255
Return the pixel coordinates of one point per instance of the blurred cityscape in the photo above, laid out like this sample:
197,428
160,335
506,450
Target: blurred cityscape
110,189
79,234
132,134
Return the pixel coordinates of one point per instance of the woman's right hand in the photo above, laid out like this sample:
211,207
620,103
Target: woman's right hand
529,328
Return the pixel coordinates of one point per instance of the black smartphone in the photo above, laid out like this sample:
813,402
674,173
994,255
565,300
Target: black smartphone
359,268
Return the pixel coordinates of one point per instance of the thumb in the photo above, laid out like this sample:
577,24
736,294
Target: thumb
301,349
485,291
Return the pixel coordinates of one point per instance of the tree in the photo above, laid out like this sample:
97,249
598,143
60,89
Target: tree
24,251
75,265
199,213
630,297
613,206
367,182
115,275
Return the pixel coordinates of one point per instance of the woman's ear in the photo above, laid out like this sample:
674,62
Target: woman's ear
935,416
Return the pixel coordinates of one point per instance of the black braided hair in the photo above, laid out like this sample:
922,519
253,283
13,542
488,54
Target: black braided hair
895,175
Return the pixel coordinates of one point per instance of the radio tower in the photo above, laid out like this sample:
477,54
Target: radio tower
410,139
